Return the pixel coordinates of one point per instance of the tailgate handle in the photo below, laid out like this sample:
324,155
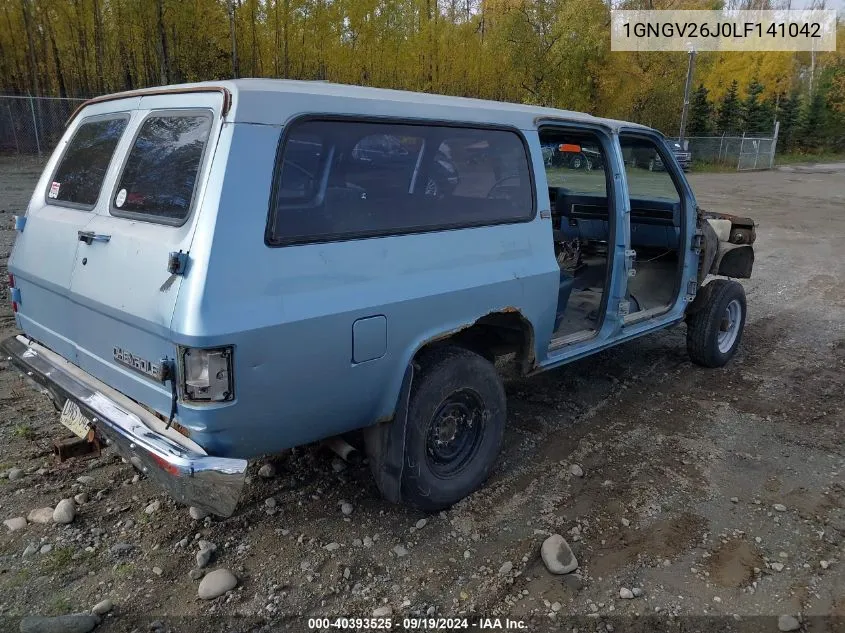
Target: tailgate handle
89,237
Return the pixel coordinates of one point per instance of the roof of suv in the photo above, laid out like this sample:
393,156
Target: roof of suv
272,101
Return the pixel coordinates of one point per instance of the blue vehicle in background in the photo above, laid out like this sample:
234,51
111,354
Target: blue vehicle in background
212,272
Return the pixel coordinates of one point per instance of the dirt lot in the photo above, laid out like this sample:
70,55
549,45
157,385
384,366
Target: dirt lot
682,469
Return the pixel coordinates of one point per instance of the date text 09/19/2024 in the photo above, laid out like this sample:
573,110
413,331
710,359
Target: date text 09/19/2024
414,624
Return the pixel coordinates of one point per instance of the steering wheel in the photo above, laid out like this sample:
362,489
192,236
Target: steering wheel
499,184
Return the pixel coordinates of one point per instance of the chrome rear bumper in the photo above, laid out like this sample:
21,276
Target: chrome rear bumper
176,463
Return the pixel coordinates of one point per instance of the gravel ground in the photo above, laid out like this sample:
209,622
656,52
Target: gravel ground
716,496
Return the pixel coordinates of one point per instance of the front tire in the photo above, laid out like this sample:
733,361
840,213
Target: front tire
455,424
714,330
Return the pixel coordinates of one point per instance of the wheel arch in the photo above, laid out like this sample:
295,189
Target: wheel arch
496,333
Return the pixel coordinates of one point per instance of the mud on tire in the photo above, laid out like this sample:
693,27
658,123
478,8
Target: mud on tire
455,425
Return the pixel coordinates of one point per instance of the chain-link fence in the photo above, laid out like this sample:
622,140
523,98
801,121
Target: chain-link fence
742,152
33,125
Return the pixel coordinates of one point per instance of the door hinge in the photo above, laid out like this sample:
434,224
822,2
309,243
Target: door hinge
697,241
20,222
624,308
177,262
692,290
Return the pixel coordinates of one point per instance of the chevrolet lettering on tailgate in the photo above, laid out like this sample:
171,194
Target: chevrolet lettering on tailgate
138,364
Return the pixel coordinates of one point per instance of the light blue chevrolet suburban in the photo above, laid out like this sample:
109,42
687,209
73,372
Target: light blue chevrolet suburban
211,272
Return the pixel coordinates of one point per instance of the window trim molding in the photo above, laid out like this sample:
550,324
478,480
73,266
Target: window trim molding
48,201
272,215
146,217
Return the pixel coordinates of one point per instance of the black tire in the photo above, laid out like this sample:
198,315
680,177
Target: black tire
710,321
454,388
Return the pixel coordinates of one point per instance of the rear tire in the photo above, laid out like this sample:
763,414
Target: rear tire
714,330
455,424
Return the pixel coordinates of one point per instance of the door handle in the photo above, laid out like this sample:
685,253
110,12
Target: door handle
89,237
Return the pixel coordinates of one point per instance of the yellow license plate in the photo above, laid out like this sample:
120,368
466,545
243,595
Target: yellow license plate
73,419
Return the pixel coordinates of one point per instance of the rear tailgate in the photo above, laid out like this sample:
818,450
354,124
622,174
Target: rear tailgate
121,295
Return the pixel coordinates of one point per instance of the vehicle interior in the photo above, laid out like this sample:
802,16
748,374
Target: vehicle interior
578,192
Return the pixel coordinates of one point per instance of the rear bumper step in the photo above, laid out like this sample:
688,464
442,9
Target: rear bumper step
176,463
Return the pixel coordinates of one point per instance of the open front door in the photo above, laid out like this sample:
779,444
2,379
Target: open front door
659,216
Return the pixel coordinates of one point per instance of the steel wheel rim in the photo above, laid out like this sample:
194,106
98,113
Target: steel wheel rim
455,433
729,326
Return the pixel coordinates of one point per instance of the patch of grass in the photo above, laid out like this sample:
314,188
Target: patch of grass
59,559
24,431
59,605
17,579
122,570
701,167
822,157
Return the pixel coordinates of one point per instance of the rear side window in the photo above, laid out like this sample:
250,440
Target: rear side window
160,175
83,167
340,180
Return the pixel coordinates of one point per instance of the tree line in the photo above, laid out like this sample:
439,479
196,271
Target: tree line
807,123
546,52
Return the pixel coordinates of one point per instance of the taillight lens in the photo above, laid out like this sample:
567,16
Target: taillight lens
207,374
12,293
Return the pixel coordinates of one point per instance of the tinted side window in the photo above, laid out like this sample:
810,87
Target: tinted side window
82,169
160,174
346,179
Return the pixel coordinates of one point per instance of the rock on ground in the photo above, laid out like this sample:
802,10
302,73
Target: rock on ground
788,623
78,623
15,473
40,515
197,514
217,583
267,471
65,511
557,555
626,594
383,612
103,607
576,470
14,524
204,557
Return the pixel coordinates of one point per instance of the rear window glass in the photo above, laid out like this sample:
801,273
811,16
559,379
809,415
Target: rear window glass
346,179
160,174
83,167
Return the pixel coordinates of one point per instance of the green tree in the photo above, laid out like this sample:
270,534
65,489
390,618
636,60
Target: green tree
701,113
789,111
812,123
756,112
730,111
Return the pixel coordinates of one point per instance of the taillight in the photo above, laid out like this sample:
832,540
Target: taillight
207,374
13,292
